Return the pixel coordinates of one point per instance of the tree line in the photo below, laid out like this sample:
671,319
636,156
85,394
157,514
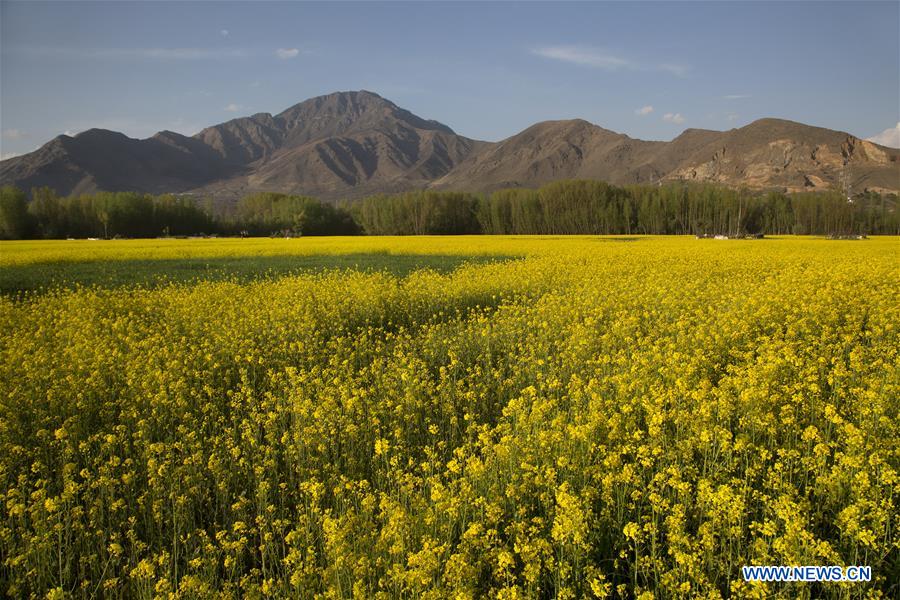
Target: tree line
105,214
131,214
559,208
595,207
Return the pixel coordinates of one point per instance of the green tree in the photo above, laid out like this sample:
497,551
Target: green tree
15,222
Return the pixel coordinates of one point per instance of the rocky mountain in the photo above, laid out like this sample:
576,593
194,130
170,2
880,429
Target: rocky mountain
98,159
554,150
351,144
769,153
339,145
778,153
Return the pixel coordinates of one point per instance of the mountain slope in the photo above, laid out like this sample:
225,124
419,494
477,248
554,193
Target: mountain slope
350,144
779,153
98,159
769,153
554,150
339,145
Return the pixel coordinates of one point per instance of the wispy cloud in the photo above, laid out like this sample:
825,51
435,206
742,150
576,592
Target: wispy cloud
137,53
676,118
736,96
583,55
162,54
184,53
286,53
889,137
198,94
5,155
224,32
13,134
644,110
233,107
589,56
674,69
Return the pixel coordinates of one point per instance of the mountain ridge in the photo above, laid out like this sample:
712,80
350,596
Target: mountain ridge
351,144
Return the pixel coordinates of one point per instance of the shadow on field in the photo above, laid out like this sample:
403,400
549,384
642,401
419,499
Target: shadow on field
123,273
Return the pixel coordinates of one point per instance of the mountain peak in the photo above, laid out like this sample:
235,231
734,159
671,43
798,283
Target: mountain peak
98,134
773,126
342,112
353,143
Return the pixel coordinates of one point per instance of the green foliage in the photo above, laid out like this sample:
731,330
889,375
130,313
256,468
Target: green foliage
15,222
562,207
591,207
419,213
109,214
268,212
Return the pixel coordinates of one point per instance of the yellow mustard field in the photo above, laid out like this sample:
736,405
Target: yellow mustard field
31,252
581,417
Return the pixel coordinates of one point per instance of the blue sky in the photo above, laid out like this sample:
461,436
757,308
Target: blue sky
487,70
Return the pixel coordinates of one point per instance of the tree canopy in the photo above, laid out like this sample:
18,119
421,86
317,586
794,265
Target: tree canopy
558,208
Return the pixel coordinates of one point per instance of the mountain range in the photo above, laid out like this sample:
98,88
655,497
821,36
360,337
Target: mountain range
352,144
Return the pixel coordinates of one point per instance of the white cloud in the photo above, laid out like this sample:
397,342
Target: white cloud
889,137
138,53
673,118
588,56
583,55
644,110
676,70
224,32
233,107
190,53
5,155
736,96
255,84
286,53
198,93
731,116
13,134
